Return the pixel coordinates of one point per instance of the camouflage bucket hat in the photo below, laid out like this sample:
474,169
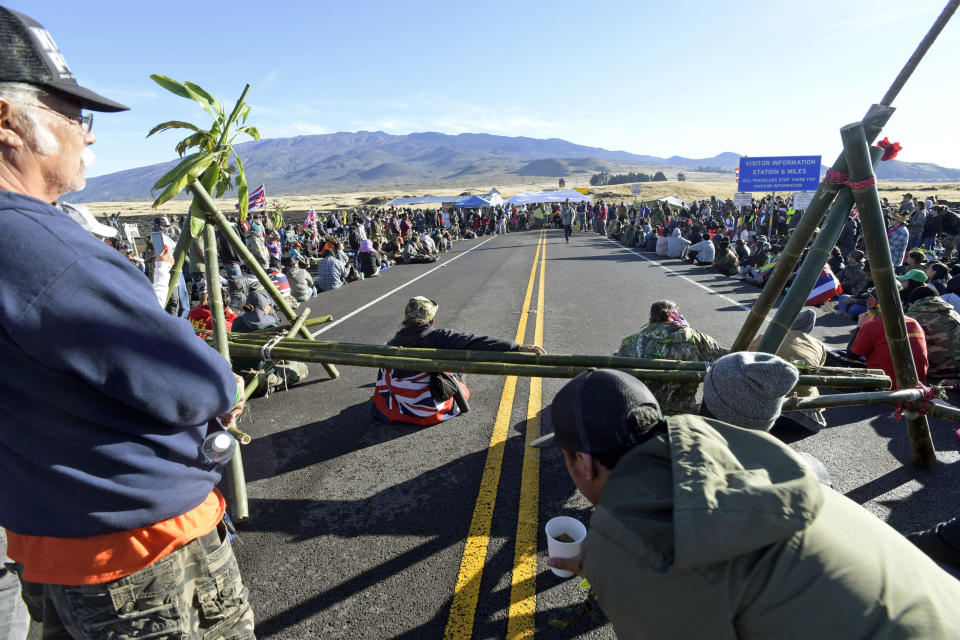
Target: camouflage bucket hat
420,310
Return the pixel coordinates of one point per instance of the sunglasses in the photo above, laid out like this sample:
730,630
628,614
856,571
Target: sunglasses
85,121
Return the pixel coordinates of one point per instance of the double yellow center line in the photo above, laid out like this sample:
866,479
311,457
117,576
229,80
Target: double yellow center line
523,588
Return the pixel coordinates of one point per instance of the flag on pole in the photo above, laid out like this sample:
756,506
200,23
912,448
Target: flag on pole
257,200
311,218
827,287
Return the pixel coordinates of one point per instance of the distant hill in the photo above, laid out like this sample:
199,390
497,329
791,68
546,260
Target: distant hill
371,160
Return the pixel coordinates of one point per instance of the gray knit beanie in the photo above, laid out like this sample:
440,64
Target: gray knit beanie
747,389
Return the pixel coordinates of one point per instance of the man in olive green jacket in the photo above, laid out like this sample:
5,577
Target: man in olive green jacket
706,530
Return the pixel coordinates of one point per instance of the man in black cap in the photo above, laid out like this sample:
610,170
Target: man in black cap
108,497
707,530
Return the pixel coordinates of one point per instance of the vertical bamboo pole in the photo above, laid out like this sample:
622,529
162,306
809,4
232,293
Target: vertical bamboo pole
179,253
881,267
230,235
810,270
237,490
876,117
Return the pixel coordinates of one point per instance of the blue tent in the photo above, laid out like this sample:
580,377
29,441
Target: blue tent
471,202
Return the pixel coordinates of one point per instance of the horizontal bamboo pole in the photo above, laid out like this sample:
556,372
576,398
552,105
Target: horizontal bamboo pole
281,352
242,438
906,397
465,355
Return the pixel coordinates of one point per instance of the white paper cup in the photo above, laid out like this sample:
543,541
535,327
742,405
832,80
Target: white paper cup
557,549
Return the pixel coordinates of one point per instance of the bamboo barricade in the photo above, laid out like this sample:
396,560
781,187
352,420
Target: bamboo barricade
224,227
881,268
246,347
876,117
907,398
466,355
238,483
811,268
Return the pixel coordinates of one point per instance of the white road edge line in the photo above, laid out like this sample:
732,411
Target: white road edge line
331,325
669,270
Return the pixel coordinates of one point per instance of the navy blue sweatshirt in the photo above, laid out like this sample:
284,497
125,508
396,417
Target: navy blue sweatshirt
104,398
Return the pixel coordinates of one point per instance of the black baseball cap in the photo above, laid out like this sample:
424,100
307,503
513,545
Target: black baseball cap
30,55
597,411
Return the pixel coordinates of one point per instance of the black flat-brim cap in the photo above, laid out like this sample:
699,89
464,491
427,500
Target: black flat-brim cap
30,55
596,412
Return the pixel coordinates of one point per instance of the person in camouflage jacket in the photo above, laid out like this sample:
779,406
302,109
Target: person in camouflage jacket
669,337
941,324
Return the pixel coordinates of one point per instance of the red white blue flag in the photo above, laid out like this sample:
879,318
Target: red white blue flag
311,218
827,287
257,200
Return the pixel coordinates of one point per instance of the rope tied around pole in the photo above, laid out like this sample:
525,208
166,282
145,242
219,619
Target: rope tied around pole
267,357
927,394
835,177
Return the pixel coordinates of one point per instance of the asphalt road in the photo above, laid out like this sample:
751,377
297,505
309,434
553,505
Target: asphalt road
359,529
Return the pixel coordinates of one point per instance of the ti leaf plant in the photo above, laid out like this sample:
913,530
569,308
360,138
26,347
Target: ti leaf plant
211,162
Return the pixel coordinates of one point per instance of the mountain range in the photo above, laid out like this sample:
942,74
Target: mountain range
365,160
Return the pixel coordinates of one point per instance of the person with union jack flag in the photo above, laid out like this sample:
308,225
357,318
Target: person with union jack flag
426,399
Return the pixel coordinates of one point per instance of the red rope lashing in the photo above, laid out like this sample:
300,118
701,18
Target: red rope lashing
862,184
927,396
834,177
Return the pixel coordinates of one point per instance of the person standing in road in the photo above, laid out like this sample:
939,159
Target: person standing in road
566,219
108,500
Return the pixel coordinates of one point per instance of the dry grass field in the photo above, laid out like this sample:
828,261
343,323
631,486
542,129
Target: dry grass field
697,186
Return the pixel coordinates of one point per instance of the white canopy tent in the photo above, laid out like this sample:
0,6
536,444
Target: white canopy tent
674,200
561,195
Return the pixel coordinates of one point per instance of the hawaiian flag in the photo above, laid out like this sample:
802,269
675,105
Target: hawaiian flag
404,396
257,200
274,249
311,218
281,282
827,287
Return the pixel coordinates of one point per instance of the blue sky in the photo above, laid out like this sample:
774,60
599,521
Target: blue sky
761,78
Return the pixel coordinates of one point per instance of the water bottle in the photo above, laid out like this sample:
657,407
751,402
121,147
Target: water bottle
218,447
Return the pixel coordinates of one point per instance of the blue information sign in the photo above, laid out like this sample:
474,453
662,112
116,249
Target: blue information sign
786,173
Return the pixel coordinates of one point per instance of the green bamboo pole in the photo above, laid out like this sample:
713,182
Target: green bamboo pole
305,354
230,235
237,489
906,397
875,118
312,322
881,268
810,270
467,355
179,254
214,297
299,321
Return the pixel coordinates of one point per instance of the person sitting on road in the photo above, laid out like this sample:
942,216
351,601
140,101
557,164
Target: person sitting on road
726,262
331,272
677,244
370,259
870,343
702,529
300,280
703,252
663,243
941,329
258,315
200,316
669,337
421,398
414,254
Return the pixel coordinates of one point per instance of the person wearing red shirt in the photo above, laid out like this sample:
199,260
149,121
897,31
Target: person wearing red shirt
871,343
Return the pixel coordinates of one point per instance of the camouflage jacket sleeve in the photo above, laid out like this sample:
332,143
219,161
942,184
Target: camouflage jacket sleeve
628,348
709,348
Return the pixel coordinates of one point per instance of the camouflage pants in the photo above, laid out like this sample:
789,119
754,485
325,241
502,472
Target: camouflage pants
195,593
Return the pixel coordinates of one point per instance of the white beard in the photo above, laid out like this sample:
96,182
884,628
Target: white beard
44,142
